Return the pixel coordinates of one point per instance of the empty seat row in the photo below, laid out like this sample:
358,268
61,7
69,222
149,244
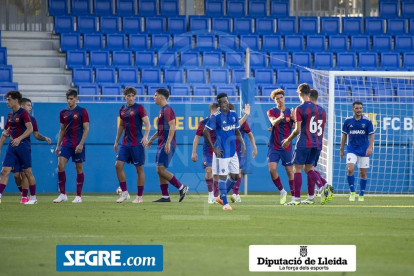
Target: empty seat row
3,56
6,74
255,8
392,9
7,86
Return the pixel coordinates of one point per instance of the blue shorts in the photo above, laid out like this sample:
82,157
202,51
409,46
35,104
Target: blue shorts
242,160
306,156
315,163
131,155
20,156
277,155
207,160
17,168
69,152
163,159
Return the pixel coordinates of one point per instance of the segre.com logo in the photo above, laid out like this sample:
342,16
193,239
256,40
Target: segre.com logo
109,258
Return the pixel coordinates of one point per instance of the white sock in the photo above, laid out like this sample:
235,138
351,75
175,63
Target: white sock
33,197
182,186
139,197
211,194
165,197
282,192
311,197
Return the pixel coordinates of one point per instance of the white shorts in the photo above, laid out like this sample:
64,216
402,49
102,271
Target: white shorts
361,161
224,166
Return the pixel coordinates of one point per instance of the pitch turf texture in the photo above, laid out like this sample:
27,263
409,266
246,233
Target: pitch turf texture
202,239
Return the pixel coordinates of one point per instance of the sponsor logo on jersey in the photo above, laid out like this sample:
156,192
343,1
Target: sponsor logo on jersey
361,131
228,128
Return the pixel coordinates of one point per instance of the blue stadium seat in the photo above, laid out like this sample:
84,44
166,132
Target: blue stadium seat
382,43
390,61
294,43
103,7
258,8
131,25
99,59
396,26
190,59
151,89
154,25
140,90
128,76
92,42
196,76
406,94
258,60
404,43
330,25
237,75
279,59
167,59
205,42
338,43
368,60
286,26
105,75
122,59
64,24
183,90
138,42
161,41
279,9
86,24
170,7
388,9
323,61
111,90
148,7
7,86
305,76
384,94
374,25
203,90
69,42
229,89
265,26
308,25
74,59
3,56
243,25
109,24
222,25
286,76
150,75
214,8
408,61
236,8
352,25
182,42
346,61
234,59
199,24
219,76
212,59
58,7
363,94
315,43
115,42
144,59
353,81
6,73
341,94
249,41
267,91
302,59
263,76
291,94
407,9
177,25
79,76
81,7
125,7
173,75
227,43
360,43
90,89
272,43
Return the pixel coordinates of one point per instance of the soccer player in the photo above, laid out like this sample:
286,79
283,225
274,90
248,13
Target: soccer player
166,146
19,150
225,123
132,150
281,119
310,124
74,128
211,181
360,133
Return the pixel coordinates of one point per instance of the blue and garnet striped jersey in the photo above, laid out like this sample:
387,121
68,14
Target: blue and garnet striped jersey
166,115
200,130
131,119
282,130
34,124
16,122
73,120
312,118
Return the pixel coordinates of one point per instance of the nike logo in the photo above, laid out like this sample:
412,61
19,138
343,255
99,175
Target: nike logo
77,160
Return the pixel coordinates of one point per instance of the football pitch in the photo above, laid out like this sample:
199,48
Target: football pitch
202,239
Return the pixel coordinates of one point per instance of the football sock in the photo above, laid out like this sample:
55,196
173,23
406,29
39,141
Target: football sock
164,190
278,183
174,181
315,178
123,186
215,188
32,190
229,184
79,184
236,186
321,178
351,182
24,192
311,186
292,187
209,183
363,184
298,185
223,191
62,182
140,190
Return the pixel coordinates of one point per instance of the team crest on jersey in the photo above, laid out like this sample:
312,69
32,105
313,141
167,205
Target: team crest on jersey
363,125
234,119
159,116
288,119
131,113
223,170
17,119
205,163
75,116
373,118
224,122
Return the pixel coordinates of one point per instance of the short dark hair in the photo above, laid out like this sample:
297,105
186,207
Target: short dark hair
130,90
71,92
231,106
276,92
357,102
164,92
314,94
304,88
25,100
213,106
14,94
221,95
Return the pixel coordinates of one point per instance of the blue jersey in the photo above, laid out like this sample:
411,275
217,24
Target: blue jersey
225,127
358,132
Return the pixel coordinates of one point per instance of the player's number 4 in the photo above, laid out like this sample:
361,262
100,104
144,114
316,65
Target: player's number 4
315,126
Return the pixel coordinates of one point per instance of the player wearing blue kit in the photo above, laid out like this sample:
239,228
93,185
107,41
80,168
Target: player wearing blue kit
225,123
132,116
360,133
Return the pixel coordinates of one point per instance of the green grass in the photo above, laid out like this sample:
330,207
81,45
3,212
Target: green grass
201,239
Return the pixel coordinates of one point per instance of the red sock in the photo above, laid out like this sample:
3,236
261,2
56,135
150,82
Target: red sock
315,178
164,190
123,186
62,182
278,183
174,181
216,188
140,190
323,180
298,184
32,190
209,183
236,186
24,192
292,187
311,186
79,184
